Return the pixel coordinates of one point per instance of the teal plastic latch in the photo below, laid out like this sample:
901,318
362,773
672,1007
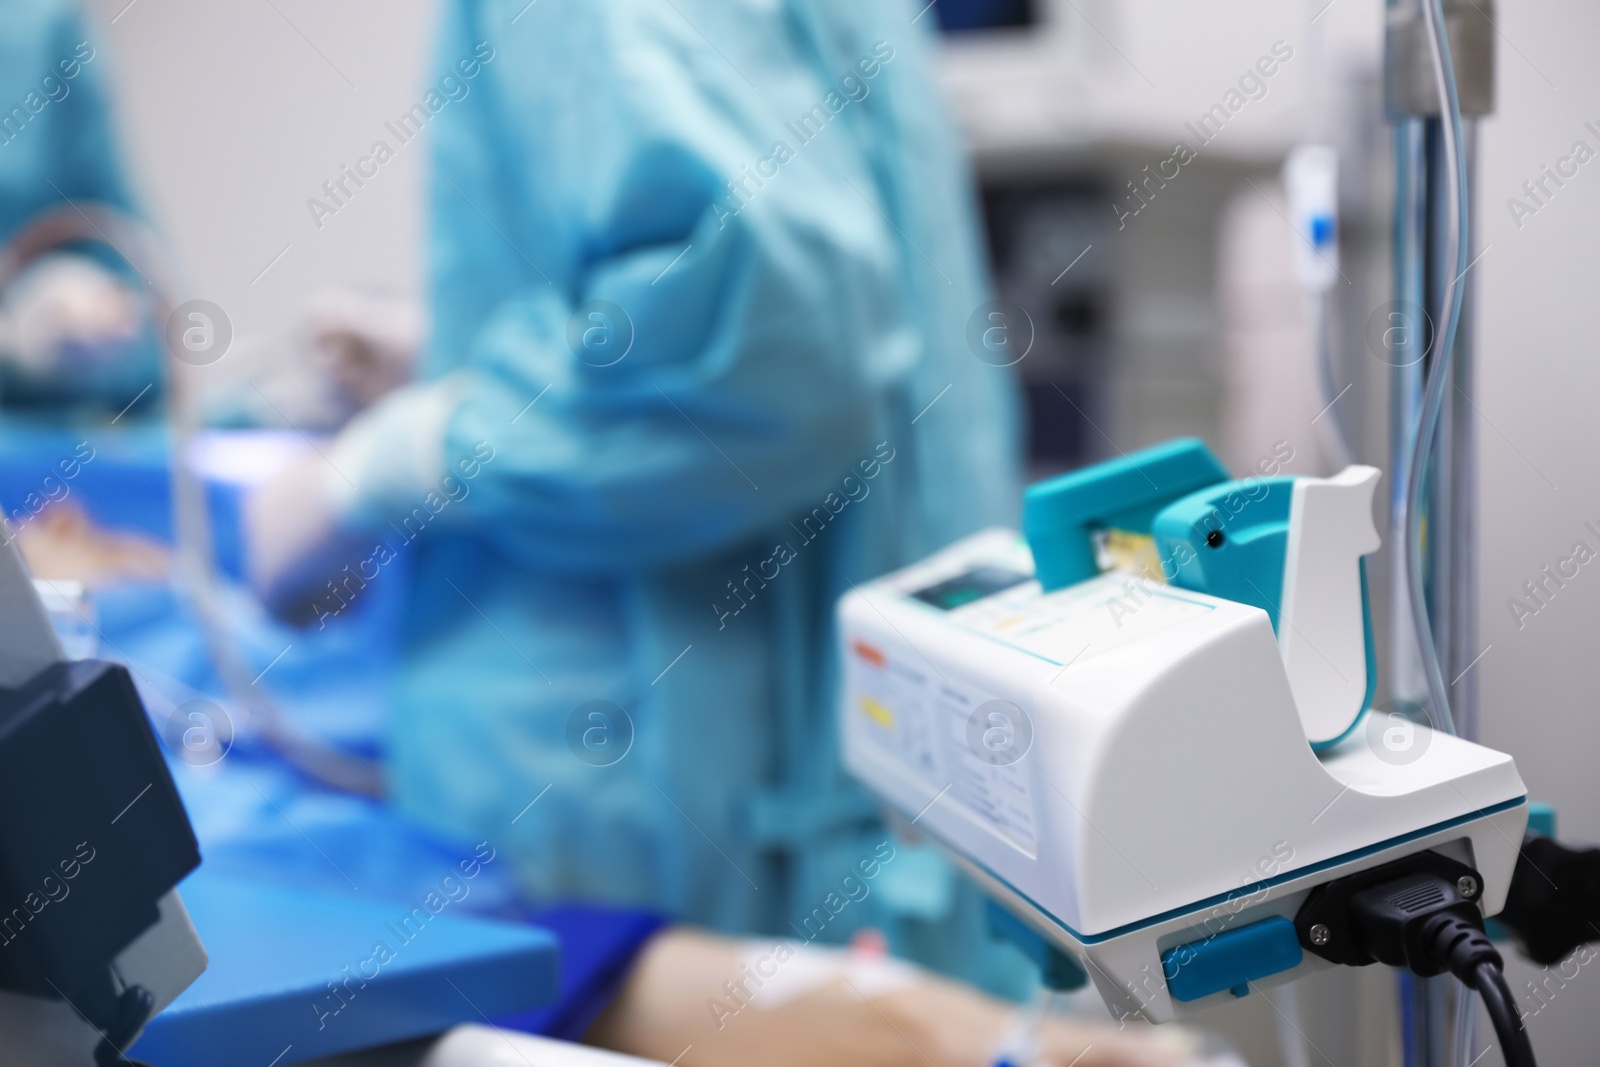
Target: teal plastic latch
1061,516
1057,970
1230,541
1542,819
1232,959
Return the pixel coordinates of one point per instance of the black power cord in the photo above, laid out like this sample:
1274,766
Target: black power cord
1448,941
118,1015
1421,913
1496,995
134,1008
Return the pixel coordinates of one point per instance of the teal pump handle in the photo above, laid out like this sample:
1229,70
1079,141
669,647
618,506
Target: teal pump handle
1061,516
1291,546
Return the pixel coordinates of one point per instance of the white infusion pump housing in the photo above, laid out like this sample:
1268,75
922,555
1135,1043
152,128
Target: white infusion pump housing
1121,763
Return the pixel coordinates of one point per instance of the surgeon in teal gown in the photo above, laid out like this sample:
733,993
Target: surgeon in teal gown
57,147
702,279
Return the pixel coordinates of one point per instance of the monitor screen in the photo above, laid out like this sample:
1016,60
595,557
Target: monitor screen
964,16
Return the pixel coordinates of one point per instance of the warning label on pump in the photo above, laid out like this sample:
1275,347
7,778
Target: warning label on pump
971,749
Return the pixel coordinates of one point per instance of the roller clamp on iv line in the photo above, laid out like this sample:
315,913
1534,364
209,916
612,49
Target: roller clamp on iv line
1140,728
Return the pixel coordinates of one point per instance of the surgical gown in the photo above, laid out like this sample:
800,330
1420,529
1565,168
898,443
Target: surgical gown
55,134
702,274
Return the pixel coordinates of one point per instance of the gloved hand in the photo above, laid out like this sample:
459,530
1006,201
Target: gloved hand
329,510
820,1007
297,542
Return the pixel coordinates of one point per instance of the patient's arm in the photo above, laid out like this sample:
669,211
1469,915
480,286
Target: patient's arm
824,1007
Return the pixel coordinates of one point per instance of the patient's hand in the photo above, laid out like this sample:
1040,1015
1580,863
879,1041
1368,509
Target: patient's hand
62,542
820,1007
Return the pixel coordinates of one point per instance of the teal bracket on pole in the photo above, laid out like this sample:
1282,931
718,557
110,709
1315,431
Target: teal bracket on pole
1057,970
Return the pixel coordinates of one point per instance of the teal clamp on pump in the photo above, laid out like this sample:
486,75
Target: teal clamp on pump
1232,959
1058,971
1061,516
1230,540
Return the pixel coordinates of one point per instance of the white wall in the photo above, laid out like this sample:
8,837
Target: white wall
1539,389
234,114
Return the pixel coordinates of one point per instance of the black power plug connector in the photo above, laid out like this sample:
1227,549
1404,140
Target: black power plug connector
1326,926
1422,922
1421,913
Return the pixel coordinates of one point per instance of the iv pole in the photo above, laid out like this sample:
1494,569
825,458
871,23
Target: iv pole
1421,276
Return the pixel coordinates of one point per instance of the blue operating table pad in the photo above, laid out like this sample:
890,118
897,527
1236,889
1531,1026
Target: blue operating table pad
295,975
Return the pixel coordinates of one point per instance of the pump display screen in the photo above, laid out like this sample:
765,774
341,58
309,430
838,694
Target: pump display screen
965,588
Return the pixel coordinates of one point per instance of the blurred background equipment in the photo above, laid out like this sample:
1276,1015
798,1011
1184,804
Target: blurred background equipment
98,939
92,817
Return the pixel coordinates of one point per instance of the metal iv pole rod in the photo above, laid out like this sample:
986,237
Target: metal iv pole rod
1421,277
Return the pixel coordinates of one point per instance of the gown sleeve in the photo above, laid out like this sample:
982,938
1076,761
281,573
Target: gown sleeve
663,321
